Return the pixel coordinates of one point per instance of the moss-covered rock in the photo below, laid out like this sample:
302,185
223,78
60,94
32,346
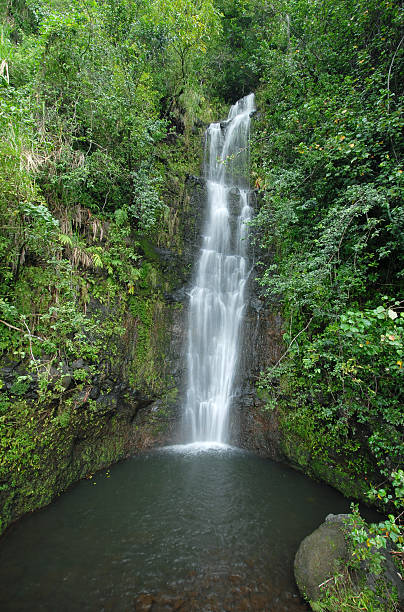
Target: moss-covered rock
324,574
319,556
71,415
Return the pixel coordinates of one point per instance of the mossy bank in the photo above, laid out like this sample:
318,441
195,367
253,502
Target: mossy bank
94,375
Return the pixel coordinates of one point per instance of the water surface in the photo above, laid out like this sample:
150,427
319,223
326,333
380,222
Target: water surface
197,528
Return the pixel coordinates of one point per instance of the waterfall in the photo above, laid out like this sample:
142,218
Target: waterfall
217,298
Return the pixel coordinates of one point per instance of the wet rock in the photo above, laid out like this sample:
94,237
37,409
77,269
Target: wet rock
106,403
258,601
94,393
178,296
234,202
6,372
256,304
243,605
167,602
177,604
10,362
235,578
82,397
165,255
195,180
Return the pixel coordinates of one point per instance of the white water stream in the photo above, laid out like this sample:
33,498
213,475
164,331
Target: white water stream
217,298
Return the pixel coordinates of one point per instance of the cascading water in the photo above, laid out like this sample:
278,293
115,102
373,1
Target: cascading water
217,298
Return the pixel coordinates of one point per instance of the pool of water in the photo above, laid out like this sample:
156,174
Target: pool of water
181,528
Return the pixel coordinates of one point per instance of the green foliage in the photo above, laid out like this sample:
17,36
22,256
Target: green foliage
367,540
149,207
342,594
83,165
190,27
328,170
144,367
235,57
358,359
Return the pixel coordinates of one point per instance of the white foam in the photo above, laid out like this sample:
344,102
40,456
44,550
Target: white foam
198,447
217,299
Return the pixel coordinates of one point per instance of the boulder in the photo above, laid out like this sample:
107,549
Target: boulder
319,555
323,552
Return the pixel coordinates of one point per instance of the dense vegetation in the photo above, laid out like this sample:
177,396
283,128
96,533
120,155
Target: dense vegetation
329,168
86,115
100,105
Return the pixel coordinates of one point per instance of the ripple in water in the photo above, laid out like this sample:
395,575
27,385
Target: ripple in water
182,528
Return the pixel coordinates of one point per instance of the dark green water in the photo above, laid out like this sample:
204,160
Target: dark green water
214,530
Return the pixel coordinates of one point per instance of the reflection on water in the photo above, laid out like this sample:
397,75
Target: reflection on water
182,528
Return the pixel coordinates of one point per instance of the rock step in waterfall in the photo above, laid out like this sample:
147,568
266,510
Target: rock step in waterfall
217,299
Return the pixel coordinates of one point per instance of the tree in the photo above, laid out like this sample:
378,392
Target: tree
190,26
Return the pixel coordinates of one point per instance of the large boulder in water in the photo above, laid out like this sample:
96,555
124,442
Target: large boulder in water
319,555
323,552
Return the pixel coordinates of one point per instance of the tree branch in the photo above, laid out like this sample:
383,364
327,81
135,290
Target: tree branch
21,330
389,75
295,338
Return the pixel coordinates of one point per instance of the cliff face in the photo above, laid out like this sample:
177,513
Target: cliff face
90,415
121,395
93,414
269,427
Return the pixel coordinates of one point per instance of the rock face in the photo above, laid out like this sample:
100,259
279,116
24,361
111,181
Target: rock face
257,427
266,425
326,550
127,406
96,415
